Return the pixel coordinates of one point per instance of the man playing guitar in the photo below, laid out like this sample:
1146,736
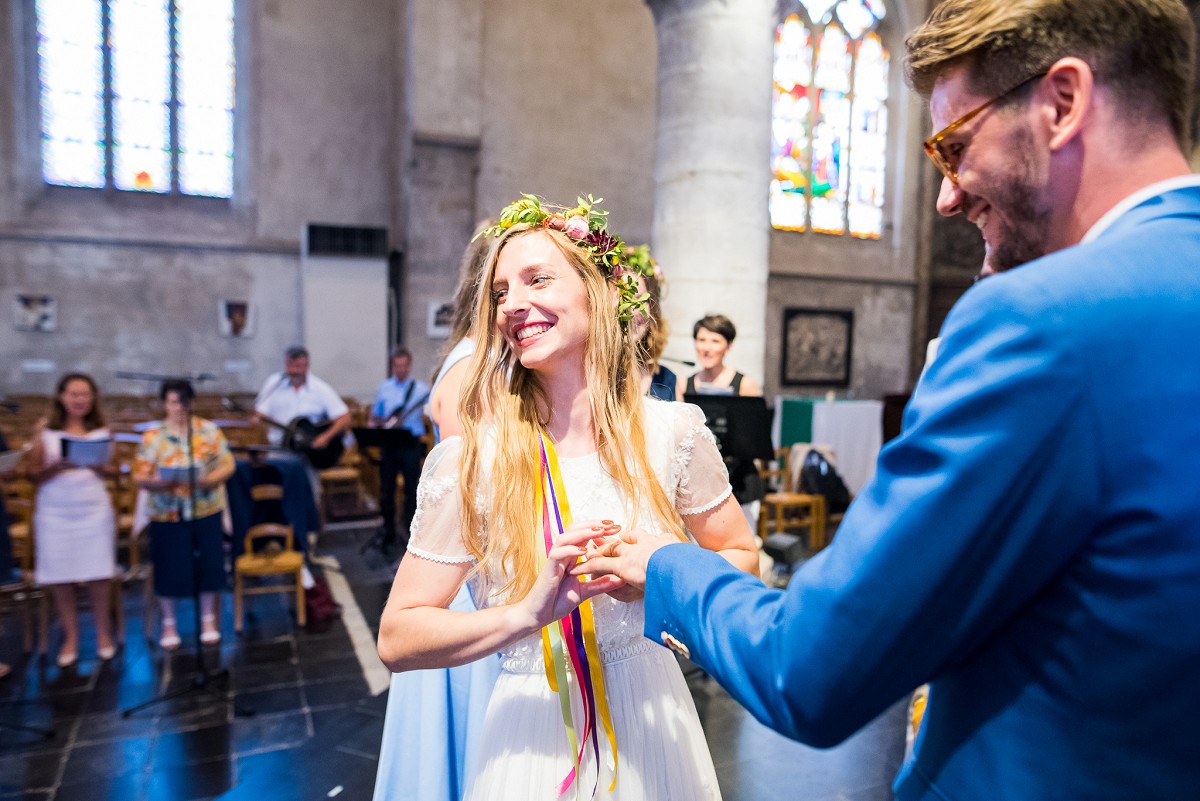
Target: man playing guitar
399,403
295,393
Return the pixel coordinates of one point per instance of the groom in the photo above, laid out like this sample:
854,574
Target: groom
1031,542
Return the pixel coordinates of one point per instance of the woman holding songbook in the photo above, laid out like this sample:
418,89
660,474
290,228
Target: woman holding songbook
163,467
74,525
559,450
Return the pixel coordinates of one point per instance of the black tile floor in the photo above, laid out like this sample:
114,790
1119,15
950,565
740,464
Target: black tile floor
316,728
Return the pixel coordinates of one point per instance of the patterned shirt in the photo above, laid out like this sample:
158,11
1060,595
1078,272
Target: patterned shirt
162,448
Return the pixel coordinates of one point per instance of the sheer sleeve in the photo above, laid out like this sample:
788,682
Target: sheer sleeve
699,476
436,532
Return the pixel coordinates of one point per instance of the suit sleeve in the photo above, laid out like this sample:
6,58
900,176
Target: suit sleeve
973,510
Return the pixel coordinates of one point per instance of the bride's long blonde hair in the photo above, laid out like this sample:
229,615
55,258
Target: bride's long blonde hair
503,398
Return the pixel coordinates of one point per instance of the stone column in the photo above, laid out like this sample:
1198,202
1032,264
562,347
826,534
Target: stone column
711,227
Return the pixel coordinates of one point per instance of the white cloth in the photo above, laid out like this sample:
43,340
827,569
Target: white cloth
74,524
854,429
462,349
523,751
282,402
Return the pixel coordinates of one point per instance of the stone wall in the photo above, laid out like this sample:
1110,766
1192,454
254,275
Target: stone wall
422,116
138,278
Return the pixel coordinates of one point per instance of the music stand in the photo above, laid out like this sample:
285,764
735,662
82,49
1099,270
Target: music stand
202,678
385,439
741,424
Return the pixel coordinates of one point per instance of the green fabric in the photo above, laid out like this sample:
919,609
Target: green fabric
795,421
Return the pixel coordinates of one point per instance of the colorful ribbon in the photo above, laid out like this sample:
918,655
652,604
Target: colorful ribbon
572,639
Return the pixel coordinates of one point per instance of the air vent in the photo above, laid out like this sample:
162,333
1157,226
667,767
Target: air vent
346,240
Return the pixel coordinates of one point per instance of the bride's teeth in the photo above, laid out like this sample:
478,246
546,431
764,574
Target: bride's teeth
526,333
981,221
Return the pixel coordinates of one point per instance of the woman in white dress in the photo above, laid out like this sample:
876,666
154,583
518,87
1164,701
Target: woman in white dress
554,370
74,525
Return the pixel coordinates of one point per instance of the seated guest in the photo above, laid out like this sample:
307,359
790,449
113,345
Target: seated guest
8,573
296,392
177,528
713,335
74,520
8,570
399,404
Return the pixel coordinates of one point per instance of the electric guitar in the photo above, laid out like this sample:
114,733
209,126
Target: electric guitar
398,416
298,436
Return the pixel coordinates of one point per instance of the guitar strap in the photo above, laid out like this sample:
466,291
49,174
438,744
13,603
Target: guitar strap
401,412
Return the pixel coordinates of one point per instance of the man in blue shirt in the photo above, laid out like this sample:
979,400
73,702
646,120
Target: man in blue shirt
1030,544
400,404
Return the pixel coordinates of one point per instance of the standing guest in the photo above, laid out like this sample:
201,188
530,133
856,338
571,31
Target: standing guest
74,520
400,403
297,392
713,335
648,328
1030,543
559,446
176,526
434,716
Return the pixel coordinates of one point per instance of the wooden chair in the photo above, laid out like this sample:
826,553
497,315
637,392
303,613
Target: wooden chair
124,493
787,509
341,493
25,595
272,560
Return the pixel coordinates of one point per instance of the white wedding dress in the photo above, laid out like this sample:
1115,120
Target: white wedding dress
523,753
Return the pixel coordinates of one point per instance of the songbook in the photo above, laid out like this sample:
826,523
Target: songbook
86,452
179,475
9,460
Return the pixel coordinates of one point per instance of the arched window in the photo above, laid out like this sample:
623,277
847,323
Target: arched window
829,119
137,94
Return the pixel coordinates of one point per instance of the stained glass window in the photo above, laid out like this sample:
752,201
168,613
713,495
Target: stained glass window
137,95
829,119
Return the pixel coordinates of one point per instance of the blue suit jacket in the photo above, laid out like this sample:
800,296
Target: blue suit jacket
1030,544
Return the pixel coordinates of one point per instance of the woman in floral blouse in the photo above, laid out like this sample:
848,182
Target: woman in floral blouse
161,468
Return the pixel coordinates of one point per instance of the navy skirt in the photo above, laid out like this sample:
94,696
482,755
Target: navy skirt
171,553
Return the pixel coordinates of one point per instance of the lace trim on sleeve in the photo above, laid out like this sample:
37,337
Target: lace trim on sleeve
439,558
708,507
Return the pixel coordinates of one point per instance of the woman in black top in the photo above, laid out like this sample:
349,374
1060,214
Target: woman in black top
713,335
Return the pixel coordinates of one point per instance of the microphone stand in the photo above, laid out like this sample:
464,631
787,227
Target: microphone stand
202,678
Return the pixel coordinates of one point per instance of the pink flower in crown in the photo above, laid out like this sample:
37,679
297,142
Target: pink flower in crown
576,228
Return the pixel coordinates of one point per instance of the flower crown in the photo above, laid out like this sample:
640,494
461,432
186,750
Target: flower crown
586,223
639,260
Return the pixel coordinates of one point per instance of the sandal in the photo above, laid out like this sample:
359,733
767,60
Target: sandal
170,639
209,636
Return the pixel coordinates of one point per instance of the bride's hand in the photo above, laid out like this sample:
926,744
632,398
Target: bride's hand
606,547
556,592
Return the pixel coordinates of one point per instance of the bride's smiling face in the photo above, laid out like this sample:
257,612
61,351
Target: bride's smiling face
541,303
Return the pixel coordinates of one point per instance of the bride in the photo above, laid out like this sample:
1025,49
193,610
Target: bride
559,450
